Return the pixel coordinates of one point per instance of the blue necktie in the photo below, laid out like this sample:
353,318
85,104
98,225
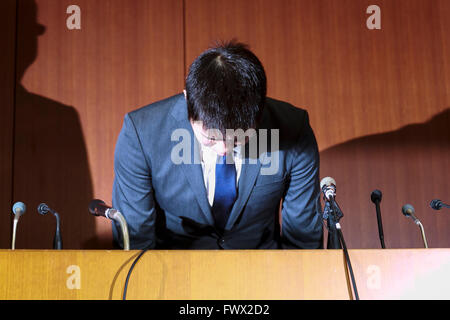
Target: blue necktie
225,191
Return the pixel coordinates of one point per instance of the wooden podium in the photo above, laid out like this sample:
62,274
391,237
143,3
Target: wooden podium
223,274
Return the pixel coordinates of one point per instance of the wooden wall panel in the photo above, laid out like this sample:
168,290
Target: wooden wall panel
76,87
7,64
378,99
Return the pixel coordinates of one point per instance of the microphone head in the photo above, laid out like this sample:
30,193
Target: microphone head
436,204
94,205
327,181
43,209
408,211
376,196
19,208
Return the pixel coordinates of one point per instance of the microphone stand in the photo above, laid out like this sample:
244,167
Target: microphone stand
333,214
117,216
422,231
43,209
380,224
13,242
98,207
333,241
57,240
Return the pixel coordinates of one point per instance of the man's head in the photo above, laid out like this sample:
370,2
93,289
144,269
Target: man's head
226,88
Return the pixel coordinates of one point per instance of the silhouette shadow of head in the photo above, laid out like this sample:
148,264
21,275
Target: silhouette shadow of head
29,30
50,157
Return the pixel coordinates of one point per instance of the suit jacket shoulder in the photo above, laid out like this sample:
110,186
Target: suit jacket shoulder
290,120
154,115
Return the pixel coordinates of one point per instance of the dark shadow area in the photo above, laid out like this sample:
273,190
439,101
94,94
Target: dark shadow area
50,157
7,64
409,165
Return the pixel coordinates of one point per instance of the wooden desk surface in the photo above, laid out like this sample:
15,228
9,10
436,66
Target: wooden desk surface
219,274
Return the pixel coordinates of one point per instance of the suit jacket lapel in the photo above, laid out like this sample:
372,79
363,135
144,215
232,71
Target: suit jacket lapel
192,171
249,173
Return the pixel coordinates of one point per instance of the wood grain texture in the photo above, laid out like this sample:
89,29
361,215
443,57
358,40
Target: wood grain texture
320,55
378,100
223,274
175,274
76,87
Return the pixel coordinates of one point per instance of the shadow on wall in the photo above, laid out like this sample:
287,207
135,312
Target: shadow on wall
50,158
409,165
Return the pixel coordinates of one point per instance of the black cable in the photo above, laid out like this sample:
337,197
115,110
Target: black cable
124,297
349,264
334,214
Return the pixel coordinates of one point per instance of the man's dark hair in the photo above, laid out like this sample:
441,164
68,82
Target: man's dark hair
226,88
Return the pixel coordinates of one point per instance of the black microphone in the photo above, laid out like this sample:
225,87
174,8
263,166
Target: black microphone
376,199
98,207
57,240
408,211
437,204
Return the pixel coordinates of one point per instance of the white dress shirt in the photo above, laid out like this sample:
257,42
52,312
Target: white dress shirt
208,161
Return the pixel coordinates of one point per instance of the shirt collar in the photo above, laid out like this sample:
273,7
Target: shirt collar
207,153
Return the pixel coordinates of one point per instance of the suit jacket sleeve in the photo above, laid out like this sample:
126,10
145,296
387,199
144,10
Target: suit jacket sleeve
132,189
301,221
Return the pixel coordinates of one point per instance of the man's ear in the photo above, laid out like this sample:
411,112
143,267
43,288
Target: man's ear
184,92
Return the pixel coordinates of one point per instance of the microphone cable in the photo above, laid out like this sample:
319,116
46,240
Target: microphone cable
333,212
347,259
124,296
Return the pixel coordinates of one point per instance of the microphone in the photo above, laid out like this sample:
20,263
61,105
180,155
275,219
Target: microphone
18,209
98,207
376,199
437,204
408,211
376,196
43,209
328,187
332,213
